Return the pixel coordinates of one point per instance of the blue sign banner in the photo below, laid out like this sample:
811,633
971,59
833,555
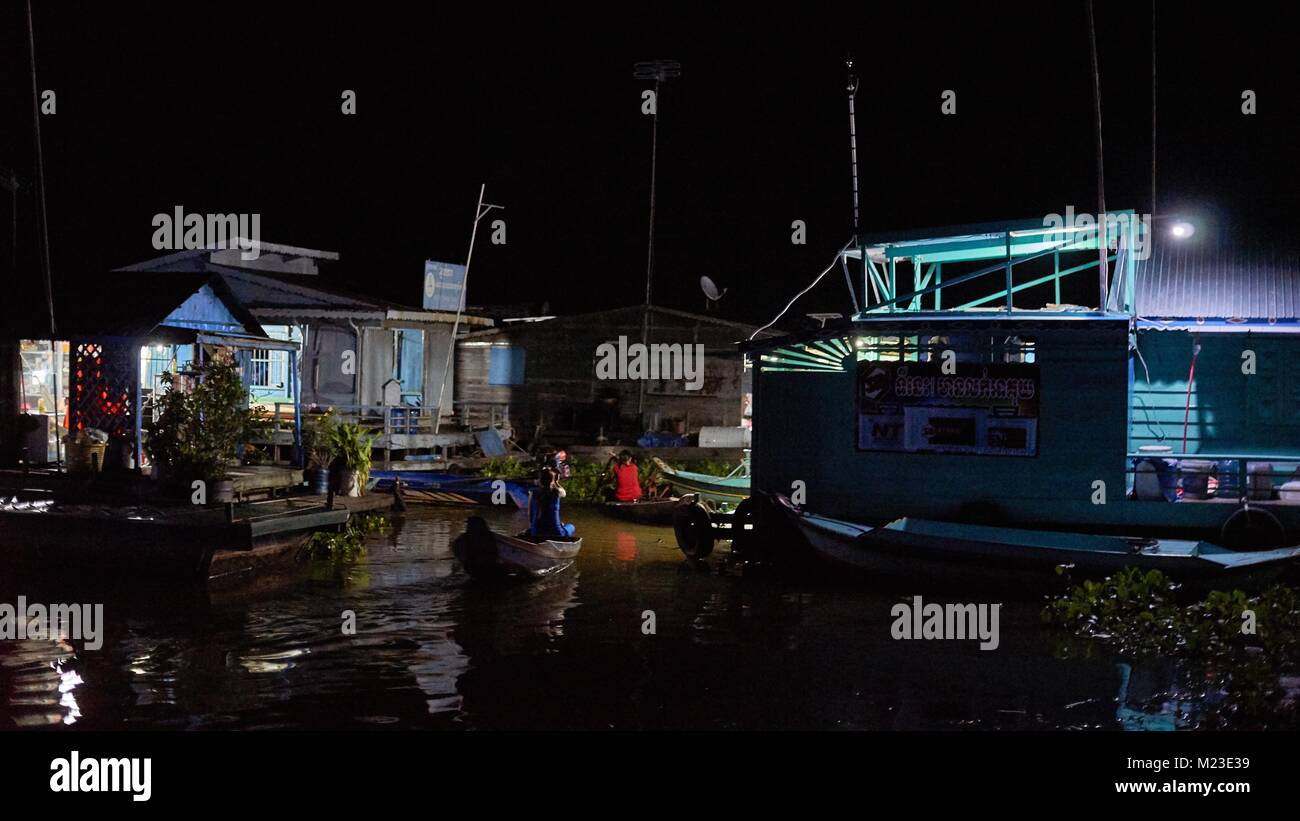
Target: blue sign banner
444,286
985,408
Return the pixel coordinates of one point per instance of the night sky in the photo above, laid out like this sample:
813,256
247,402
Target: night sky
236,108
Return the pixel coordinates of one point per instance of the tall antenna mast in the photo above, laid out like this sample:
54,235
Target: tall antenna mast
657,70
480,211
853,160
1103,273
1153,109
853,144
44,246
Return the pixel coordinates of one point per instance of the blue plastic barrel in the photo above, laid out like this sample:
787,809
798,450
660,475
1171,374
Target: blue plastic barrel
1226,472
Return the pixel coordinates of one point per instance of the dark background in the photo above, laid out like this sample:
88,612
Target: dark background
236,108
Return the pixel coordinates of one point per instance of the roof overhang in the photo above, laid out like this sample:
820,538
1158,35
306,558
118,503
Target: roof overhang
936,323
1222,326
443,317
973,243
238,341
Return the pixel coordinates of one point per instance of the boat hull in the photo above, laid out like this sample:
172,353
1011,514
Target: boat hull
651,512
713,489
437,488
487,554
987,557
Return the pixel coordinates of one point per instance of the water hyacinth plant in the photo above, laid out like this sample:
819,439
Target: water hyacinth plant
1237,654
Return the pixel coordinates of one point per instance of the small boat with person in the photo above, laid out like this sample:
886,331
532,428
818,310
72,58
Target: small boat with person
491,554
644,511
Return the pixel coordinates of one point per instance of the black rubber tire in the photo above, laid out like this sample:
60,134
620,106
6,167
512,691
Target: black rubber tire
1252,528
694,530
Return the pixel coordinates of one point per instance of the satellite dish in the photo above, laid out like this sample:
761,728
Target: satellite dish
711,292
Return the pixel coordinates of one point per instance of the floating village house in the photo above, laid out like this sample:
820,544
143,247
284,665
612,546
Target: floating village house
966,389
301,348
97,373
545,370
371,361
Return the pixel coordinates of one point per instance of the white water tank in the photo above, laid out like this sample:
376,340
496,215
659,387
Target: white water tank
717,437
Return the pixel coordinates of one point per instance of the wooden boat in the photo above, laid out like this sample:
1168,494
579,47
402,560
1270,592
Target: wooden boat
644,511
485,553
718,490
441,488
1010,558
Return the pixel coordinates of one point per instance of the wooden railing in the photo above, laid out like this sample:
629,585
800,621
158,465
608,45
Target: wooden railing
396,418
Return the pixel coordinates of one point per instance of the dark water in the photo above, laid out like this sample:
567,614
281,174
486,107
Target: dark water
435,650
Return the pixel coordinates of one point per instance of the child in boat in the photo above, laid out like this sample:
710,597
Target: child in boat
544,508
627,479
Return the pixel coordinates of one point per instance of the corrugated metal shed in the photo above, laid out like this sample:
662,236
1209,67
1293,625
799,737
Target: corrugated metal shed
1194,279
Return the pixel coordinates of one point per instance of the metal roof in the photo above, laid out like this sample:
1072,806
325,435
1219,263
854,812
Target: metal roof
1192,279
280,294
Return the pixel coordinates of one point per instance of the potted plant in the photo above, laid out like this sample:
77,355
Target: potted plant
198,432
350,470
318,447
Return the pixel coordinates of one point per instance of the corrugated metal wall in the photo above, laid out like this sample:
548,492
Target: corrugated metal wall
1230,411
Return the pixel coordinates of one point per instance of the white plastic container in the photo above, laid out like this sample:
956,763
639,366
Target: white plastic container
718,437
1289,492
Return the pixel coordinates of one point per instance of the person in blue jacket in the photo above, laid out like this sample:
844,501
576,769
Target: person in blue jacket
544,508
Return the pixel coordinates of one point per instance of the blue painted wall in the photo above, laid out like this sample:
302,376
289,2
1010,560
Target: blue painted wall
804,429
204,311
1230,411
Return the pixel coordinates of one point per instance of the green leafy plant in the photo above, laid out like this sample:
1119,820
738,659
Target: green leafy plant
505,467
588,482
369,523
349,544
1138,615
197,433
317,440
353,444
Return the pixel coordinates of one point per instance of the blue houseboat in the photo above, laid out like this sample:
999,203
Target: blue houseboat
960,425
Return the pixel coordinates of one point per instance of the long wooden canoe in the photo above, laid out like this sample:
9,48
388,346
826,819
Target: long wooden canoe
977,555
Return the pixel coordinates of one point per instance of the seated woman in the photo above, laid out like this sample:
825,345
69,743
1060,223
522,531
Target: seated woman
627,479
544,508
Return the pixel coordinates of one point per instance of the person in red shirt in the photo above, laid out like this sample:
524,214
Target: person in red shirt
627,479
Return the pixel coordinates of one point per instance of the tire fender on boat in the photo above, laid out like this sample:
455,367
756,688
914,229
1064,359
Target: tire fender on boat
694,530
1252,528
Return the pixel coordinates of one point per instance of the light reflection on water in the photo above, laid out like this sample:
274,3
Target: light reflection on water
434,650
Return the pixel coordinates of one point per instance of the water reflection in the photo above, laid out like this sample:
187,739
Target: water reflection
434,650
